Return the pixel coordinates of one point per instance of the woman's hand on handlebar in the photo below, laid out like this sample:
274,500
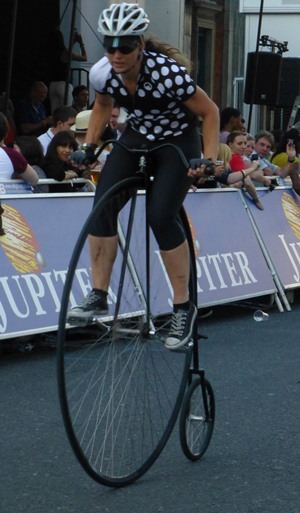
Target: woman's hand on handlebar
85,156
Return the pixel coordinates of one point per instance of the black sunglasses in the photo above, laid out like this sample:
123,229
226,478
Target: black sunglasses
125,50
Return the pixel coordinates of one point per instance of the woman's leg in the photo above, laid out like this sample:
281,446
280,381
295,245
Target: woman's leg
103,252
103,239
167,193
177,263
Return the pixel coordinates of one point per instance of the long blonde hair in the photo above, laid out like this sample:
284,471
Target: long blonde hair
225,154
154,44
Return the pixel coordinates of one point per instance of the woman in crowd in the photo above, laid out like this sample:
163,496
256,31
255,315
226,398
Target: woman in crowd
237,141
57,163
32,150
224,174
280,156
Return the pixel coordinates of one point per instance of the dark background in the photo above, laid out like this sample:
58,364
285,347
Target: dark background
35,20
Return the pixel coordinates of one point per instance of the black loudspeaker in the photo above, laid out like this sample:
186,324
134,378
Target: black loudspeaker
290,81
267,83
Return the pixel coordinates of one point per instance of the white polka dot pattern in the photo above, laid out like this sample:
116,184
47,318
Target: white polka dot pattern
156,111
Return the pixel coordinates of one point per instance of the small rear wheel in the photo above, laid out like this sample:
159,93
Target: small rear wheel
197,418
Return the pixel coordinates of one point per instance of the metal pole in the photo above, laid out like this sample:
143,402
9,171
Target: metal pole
10,55
255,65
68,72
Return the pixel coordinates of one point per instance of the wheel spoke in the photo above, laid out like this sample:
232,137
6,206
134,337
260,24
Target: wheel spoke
196,425
120,388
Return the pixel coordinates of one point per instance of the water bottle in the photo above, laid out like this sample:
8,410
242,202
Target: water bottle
260,316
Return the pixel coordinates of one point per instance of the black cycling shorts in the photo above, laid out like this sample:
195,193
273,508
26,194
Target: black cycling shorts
167,190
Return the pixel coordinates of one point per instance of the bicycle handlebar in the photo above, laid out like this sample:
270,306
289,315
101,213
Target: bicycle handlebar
193,163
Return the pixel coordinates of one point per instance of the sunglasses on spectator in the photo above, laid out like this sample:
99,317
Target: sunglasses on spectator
125,50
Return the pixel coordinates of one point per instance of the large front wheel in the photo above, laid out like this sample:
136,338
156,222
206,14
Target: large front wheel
120,388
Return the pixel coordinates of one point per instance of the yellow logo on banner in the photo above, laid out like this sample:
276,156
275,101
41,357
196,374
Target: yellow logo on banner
19,242
292,212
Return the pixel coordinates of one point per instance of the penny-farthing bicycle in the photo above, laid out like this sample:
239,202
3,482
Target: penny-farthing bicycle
120,389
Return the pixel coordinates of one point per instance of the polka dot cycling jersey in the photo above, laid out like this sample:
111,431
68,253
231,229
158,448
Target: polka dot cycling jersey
157,110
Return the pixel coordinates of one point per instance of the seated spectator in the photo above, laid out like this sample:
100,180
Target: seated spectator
80,126
230,120
250,141
114,128
32,118
9,111
280,156
32,150
80,95
117,121
258,177
264,142
236,141
63,119
80,129
113,120
223,174
11,161
57,163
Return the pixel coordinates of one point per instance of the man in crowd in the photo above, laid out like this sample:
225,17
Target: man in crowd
230,120
31,112
63,119
264,142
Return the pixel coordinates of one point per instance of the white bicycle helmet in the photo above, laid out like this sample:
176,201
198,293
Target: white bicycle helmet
123,20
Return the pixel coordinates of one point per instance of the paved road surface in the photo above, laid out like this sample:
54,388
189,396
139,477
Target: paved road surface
253,462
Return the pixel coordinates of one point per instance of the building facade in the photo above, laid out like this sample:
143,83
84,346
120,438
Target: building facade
209,32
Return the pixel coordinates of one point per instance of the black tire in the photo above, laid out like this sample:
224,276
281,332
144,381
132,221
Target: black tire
120,389
196,427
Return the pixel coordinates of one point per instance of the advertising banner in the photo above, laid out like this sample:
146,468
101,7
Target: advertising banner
34,257
41,233
15,187
230,263
279,228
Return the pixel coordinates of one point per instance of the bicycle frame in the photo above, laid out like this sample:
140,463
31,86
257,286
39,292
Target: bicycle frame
124,377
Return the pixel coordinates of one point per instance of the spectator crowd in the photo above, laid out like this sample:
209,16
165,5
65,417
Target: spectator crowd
36,143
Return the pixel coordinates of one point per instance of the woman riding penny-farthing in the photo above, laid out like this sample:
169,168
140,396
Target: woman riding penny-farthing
121,393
